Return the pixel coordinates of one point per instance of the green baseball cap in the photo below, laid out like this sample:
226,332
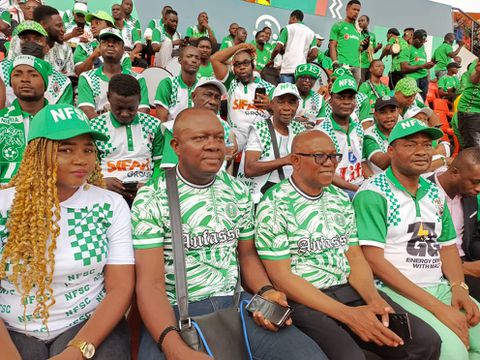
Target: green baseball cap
44,68
110,32
101,15
344,83
30,25
60,122
412,126
341,71
407,86
307,70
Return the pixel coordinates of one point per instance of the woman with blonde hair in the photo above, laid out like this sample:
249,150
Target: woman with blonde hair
66,266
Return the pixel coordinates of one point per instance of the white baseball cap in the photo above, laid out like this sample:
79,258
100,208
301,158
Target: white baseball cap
212,81
416,110
286,88
319,37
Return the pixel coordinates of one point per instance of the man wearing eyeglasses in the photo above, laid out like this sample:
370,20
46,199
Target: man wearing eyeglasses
307,240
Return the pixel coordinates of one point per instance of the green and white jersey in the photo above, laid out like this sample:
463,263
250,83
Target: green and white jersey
350,144
241,111
360,114
194,32
130,35
310,107
174,95
297,39
414,57
93,87
205,71
259,140
374,142
348,43
263,57
470,100
87,32
214,218
95,231
14,125
84,50
440,55
373,92
134,23
313,232
410,228
449,81
131,150
59,90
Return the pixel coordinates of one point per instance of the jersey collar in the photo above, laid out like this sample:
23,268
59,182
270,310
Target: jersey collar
117,124
16,110
380,133
351,125
101,75
423,185
306,196
193,185
183,85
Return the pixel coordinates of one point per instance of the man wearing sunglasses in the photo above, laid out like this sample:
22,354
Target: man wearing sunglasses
307,240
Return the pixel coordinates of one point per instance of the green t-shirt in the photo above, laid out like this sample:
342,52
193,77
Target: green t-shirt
348,43
414,57
325,61
380,91
194,32
263,57
174,95
396,58
449,81
205,71
214,217
441,56
313,232
364,61
470,100
226,42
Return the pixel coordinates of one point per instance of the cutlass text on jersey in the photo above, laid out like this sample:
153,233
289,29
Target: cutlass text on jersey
208,238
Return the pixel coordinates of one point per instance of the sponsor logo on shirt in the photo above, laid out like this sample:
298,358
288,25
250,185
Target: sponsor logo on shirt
351,172
423,247
242,104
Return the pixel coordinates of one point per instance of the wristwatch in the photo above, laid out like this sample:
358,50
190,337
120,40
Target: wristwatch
87,349
461,284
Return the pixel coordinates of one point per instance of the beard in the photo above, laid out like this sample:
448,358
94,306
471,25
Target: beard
31,98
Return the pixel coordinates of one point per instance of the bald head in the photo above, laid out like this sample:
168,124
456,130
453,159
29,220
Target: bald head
467,158
307,141
192,118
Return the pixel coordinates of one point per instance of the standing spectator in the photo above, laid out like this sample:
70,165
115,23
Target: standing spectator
93,84
174,94
347,135
135,140
311,102
298,43
369,48
449,84
228,40
444,54
469,106
78,30
374,88
395,46
29,79
413,61
245,107
408,238
203,28
127,7
204,44
239,38
408,35
261,164
306,237
263,51
345,40
323,58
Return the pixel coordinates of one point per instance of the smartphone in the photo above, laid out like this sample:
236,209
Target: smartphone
400,325
131,186
260,90
271,311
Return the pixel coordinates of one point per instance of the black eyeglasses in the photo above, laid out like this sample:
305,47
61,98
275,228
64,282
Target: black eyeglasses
321,158
244,63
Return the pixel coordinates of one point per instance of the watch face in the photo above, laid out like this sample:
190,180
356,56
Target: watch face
89,351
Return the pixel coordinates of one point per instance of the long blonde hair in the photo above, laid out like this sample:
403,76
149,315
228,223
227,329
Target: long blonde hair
32,222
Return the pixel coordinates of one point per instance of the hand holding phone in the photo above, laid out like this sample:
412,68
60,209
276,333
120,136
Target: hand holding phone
271,311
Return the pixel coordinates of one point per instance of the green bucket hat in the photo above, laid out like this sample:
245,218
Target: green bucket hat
30,25
101,15
412,126
344,83
407,86
341,71
60,122
44,68
307,70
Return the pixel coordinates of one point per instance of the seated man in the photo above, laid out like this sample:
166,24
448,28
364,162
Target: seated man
211,202
77,30
202,29
461,186
307,239
374,88
261,164
408,238
135,140
449,84
309,109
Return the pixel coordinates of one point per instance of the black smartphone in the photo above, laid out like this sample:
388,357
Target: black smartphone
271,311
131,186
260,90
400,325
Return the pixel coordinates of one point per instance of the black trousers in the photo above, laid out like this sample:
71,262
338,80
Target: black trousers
395,76
469,127
474,285
340,343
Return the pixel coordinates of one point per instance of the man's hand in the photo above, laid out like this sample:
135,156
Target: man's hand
276,297
114,184
262,102
70,353
363,321
428,65
454,319
460,42
462,301
249,48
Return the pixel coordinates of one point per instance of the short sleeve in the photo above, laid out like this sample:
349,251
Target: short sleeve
334,32
85,93
365,114
364,89
246,224
448,235
119,235
79,55
370,147
157,146
404,55
136,39
283,38
371,212
253,140
313,44
144,101
67,96
227,81
327,63
164,92
157,36
189,32
442,83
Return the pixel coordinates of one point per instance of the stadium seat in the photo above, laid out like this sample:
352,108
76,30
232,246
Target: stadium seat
137,69
432,93
153,76
442,105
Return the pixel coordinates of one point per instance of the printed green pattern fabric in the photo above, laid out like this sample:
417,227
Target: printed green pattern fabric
393,217
263,132
314,233
214,219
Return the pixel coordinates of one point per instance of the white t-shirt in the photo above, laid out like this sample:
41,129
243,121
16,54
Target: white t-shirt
95,230
298,39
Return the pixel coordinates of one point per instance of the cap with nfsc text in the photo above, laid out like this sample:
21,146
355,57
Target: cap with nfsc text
409,127
344,83
60,122
285,88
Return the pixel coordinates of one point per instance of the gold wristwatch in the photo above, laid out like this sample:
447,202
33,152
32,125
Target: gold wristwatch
461,284
87,349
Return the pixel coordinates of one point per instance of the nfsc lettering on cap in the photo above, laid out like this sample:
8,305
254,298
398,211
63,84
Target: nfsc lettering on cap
346,82
67,113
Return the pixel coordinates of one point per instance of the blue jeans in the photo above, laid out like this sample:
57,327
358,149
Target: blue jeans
288,343
287,78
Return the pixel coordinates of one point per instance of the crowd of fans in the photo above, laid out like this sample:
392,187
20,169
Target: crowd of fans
343,200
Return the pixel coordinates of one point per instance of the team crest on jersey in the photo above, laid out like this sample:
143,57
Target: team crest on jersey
55,87
231,210
340,220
